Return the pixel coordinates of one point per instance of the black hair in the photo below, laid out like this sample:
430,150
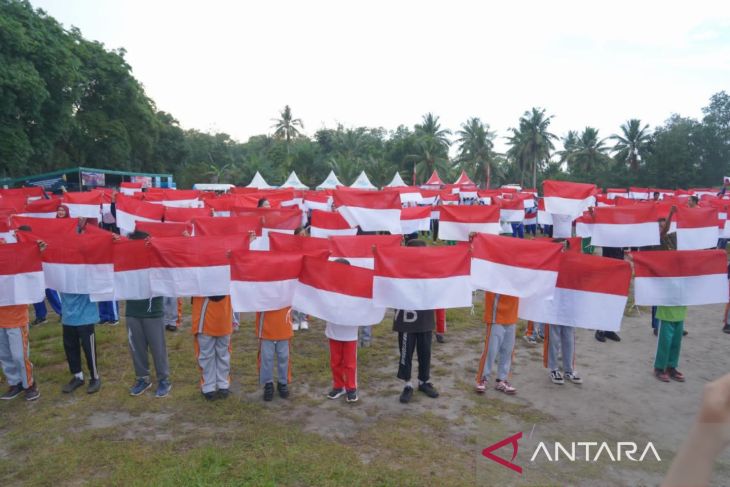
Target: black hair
342,261
216,298
416,242
138,235
261,202
25,228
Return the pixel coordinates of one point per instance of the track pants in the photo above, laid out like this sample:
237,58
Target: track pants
14,356
74,339
53,299
214,361
668,344
172,309
108,311
343,362
560,340
144,336
268,351
421,343
499,344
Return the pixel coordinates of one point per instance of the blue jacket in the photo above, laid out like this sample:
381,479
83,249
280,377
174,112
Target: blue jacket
78,310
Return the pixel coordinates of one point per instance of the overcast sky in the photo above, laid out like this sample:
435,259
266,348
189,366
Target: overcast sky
230,66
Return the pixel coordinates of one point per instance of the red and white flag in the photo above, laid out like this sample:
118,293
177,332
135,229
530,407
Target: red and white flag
133,262
565,198
284,242
79,264
697,228
543,217
328,223
128,189
639,193
176,198
625,226
457,222
193,266
185,214
612,193
234,225
337,293
415,219
358,249
158,229
42,208
314,200
514,266
511,210
21,274
46,227
421,278
131,210
680,277
86,204
584,225
263,281
591,292
372,211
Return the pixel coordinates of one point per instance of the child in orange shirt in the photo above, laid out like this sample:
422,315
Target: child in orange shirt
500,316
212,328
274,330
14,352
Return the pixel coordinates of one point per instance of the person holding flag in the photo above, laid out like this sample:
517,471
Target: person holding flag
500,317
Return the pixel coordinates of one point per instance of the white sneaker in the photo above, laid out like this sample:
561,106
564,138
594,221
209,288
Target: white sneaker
573,377
557,377
295,326
530,339
304,325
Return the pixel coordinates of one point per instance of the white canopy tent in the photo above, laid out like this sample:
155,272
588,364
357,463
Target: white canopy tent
258,182
362,182
294,182
397,181
331,182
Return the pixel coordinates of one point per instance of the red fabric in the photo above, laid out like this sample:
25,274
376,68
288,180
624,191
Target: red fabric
565,189
441,321
343,362
529,254
679,263
434,180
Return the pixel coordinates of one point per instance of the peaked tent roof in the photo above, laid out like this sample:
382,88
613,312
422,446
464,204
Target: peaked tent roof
258,182
331,182
397,181
464,179
362,182
294,182
434,180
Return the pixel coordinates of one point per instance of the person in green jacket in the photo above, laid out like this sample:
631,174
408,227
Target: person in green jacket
671,326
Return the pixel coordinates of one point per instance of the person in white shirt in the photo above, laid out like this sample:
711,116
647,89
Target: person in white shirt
343,357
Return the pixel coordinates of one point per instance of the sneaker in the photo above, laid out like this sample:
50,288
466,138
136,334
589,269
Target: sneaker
481,386
611,335
506,387
600,336
295,326
269,391
335,393
32,393
531,340
236,327
304,325
352,396
557,377
94,386
674,374
365,343
209,396
171,327
39,321
13,392
726,328
540,337
113,322
73,384
573,377
224,393
139,387
163,388
661,375
685,333
428,389
440,338
406,395
283,390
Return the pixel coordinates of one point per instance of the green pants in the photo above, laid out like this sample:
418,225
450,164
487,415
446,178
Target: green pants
668,344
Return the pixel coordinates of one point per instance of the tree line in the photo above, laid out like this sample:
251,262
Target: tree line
67,101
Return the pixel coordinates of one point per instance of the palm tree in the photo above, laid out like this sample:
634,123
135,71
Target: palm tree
632,145
570,145
475,150
217,172
286,126
588,153
531,143
432,144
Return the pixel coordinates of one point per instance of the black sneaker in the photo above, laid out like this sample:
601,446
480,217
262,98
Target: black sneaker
726,328
656,331
13,392
269,391
283,390
406,395
39,321
32,393
335,393
685,333
612,335
352,396
428,389
73,384
94,386
224,393
440,338
170,327
600,336
209,396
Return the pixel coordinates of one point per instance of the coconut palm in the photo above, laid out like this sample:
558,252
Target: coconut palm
588,154
432,147
217,173
475,150
632,144
570,145
531,144
286,126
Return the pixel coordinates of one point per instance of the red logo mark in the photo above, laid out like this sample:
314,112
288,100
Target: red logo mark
487,452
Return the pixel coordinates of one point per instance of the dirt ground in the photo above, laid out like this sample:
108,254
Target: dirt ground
382,442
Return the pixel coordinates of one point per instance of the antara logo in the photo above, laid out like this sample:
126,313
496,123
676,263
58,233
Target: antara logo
589,451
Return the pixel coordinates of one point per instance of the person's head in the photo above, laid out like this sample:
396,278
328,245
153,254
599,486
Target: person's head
62,212
417,242
656,195
340,260
217,298
693,200
25,228
138,235
300,231
263,203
